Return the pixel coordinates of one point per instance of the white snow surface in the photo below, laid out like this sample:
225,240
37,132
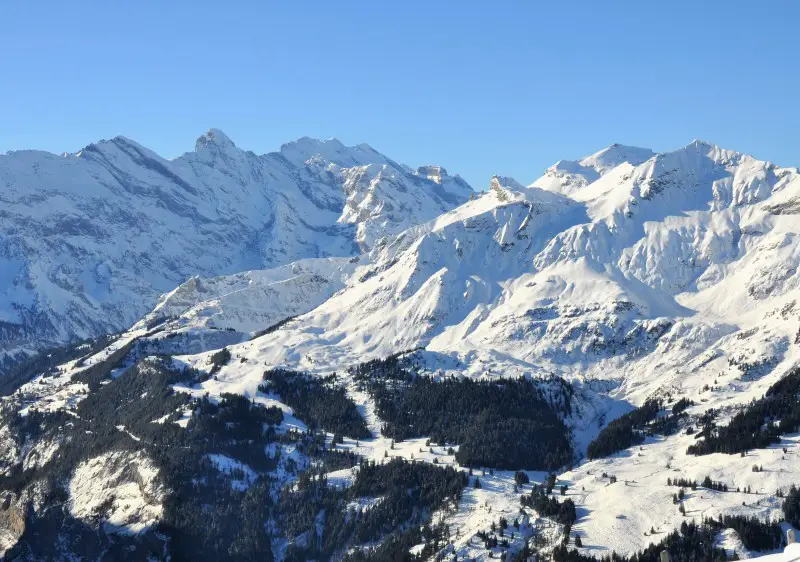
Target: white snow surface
253,300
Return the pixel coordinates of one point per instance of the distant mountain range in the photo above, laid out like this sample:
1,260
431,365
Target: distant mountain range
88,241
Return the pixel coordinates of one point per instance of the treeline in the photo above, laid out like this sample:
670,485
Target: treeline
706,483
276,326
318,401
409,492
759,424
218,360
143,402
681,405
510,443
98,372
626,431
791,507
204,516
502,423
632,428
755,534
396,367
46,362
397,546
682,482
235,427
548,506
693,543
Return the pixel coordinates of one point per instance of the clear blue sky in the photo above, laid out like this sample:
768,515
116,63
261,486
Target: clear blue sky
480,87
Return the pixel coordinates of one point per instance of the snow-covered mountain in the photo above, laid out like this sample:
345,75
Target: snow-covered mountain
631,275
89,240
700,241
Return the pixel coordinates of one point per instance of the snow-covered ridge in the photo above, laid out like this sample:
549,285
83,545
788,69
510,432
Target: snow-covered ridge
252,300
568,176
89,240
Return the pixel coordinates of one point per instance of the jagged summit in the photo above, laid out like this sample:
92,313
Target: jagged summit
504,188
569,176
611,157
331,150
215,142
434,173
216,138
505,182
604,171
702,145
117,143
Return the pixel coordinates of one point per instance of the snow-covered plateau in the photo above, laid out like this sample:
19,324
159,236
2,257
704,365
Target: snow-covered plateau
609,283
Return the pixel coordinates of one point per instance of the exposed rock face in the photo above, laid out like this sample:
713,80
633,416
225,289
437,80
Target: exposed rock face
12,522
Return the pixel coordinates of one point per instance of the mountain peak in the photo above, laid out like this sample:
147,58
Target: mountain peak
433,173
597,164
699,143
504,187
331,150
330,142
568,176
216,138
505,182
712,151
121,143
614,155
